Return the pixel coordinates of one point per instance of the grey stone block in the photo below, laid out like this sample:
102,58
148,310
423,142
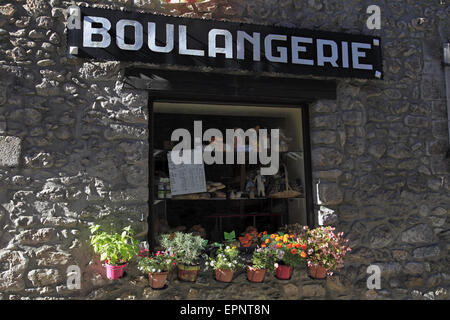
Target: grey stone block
10,149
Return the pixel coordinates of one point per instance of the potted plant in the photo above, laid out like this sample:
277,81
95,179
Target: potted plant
290,252
115,248
187,248
325,251
263,260
225,263
157,266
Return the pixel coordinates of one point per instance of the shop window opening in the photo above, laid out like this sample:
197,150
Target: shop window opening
232,199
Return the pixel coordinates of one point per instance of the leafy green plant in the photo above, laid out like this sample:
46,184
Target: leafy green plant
264,258
224,259
115,248
186,246
161,261
229,236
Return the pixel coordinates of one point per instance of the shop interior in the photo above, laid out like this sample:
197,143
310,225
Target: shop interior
236,196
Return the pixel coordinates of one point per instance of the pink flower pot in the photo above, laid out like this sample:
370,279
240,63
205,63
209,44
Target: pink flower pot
115,272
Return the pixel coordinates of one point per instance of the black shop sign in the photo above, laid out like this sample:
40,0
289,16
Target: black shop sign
164,40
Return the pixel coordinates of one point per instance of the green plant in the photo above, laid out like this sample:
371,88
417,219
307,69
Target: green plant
224,259
186,246
264,258
326,249
115,248
161,261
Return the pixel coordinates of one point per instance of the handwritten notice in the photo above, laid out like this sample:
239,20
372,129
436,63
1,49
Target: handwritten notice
186,178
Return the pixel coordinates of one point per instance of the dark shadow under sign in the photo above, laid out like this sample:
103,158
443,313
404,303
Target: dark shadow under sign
164,40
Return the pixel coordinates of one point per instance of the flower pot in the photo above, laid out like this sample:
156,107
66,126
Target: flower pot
283,272
255,275
157,280
115,272
317,272
187,273
224,275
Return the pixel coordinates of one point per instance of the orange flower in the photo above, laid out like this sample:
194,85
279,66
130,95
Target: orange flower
297,245
272,236
263,245
304,246
267,241
278,238
293,251
303,254
265,232
289,246
278,245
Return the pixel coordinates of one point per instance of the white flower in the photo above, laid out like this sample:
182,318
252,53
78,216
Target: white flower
235,262
153,270
206,262
159,270
228,247
212,263
275,265
229,265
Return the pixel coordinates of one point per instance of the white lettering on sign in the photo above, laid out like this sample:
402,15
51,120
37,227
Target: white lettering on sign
255,40
356,54
212,44
152,38
138,35
183,44
321,58
278,48
281,50
89,30
296,48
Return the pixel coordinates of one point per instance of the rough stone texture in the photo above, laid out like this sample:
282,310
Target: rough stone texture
78,153
9,151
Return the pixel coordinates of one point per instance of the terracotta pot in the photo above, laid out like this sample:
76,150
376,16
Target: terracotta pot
115,272
187,273
255,275
283,272
317,272
157,280
224,275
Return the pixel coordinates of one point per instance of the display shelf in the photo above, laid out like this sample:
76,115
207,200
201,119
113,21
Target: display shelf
222,199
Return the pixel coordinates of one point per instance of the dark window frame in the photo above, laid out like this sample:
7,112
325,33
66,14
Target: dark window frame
212,88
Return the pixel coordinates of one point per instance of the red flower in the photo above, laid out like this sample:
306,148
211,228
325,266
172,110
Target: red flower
293,251
304,246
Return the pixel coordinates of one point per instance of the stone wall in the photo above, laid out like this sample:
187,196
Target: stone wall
74,150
